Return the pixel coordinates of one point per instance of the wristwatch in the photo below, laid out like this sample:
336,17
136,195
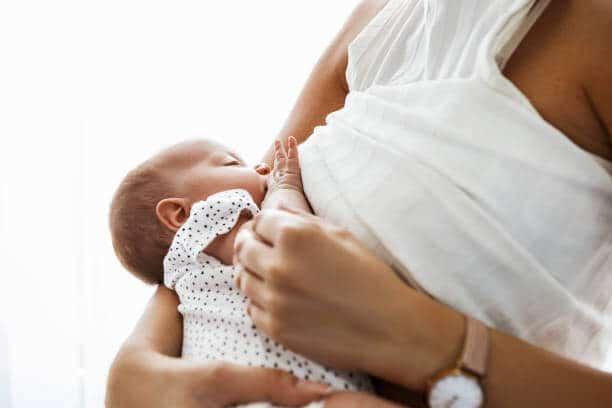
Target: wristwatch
461,385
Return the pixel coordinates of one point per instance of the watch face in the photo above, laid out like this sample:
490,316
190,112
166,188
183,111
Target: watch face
456,391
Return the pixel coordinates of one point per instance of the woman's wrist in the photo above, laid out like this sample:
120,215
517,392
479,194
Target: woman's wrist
424,337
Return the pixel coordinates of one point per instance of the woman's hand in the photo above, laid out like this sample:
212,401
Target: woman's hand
148,373
316,289
148,379
313,287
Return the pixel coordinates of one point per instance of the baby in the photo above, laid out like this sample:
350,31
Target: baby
174,219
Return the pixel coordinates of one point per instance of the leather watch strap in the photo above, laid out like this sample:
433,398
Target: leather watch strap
476,348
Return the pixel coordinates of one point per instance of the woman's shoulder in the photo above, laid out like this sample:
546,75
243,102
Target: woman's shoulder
362,14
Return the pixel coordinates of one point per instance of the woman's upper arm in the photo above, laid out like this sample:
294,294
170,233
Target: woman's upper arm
326,87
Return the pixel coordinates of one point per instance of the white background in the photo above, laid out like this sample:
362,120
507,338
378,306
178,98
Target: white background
88,89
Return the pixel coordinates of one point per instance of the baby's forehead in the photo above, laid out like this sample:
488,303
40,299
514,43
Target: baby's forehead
191,152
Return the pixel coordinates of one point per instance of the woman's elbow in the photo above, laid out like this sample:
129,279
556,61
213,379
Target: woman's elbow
133,374
118,376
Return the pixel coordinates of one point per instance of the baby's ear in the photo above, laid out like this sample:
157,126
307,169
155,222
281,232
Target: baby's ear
172,212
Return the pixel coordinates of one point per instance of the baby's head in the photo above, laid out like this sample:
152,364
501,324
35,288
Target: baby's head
155,199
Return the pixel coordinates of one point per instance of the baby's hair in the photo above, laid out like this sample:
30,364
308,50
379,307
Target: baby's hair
139,239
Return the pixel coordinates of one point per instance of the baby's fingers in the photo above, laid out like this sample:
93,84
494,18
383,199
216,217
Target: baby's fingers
292,149
278,155
282,147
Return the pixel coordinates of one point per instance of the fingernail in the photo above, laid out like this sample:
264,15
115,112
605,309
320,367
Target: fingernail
318,388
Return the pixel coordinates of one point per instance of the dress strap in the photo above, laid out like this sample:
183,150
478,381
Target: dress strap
512,44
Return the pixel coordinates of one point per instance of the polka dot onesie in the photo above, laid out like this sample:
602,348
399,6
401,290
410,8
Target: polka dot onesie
215,323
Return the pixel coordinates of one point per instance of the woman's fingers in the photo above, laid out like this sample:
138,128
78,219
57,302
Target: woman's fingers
272,225
253,288
252,259
252,253
268,224
259,317
248,384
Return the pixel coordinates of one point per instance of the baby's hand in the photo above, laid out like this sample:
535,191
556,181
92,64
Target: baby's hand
286,172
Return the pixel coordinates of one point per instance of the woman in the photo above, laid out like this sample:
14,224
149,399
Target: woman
355,312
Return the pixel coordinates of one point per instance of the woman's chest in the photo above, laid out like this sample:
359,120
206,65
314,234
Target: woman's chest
551,67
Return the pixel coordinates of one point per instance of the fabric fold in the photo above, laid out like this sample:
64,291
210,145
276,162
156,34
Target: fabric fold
463,188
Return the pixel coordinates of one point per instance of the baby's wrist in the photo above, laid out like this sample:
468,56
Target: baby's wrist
288,195
286,187
286,181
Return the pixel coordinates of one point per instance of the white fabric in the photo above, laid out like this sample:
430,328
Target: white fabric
606,164
444,169
215,324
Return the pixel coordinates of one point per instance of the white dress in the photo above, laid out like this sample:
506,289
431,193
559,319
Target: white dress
445,170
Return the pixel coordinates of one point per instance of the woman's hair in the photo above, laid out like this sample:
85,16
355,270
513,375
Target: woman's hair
140,241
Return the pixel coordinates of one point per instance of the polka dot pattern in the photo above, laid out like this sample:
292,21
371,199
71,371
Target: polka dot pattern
215,323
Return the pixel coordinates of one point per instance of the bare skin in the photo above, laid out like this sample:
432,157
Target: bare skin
563,67
199,169
147,370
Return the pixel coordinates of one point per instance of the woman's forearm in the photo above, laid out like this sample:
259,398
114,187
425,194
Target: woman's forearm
147,372
519,374
357,314
527,376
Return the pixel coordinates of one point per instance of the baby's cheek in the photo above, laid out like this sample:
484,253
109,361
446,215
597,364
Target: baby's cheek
256,185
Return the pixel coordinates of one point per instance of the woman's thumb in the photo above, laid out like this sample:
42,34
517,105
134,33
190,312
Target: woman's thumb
250,384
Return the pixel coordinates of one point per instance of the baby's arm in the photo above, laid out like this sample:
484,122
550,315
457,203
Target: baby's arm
285,180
